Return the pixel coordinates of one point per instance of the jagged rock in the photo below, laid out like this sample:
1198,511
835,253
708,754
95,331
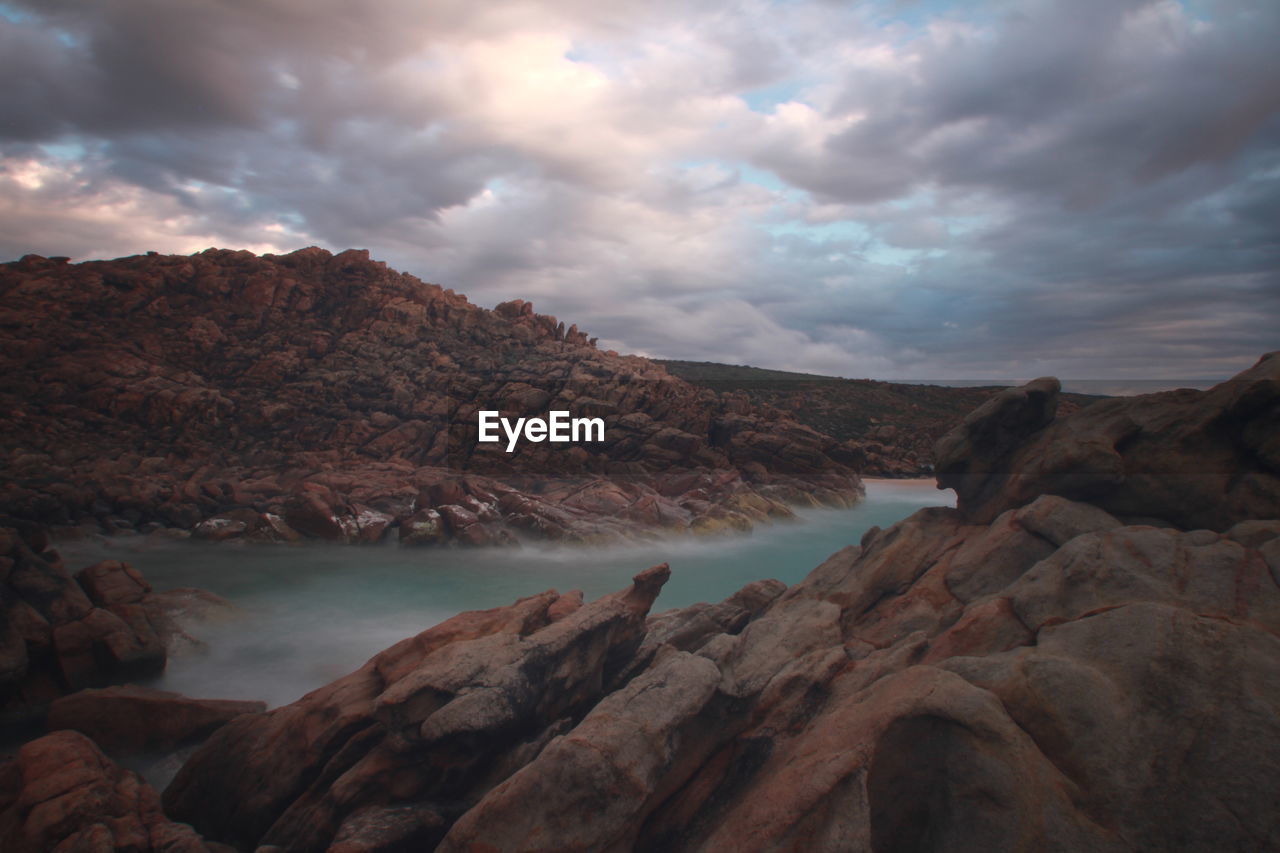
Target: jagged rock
131,719
976,456
60,633
61,793
586,789
430,724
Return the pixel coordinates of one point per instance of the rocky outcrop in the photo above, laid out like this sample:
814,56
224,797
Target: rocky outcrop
60,633
394,751
326,396
61,793
1188,458
1055,678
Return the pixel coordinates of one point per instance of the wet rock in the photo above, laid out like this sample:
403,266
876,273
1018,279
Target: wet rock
424,527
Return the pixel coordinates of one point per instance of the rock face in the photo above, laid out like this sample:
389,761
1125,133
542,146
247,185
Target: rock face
314,395
1049,679
1190,458
61,793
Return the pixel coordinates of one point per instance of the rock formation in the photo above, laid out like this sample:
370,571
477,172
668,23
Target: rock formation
1190,458
60,793
60,632
314,395
1027,672
892,425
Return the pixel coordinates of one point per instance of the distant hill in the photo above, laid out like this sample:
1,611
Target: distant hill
709,373
895,422
224,392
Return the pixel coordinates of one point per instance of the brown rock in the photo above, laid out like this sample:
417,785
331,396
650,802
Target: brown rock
332,391
61,793
132,719
430,722
1195,459
310,513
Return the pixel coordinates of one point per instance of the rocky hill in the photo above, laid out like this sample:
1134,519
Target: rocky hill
323,395
893,424
1084,655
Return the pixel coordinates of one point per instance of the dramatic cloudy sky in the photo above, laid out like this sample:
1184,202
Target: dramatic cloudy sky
896,189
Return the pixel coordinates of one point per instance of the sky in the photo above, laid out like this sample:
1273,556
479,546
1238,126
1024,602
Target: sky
896,189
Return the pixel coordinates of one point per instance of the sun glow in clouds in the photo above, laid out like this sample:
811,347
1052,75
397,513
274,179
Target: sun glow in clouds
852,174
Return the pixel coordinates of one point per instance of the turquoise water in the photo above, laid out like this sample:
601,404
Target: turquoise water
314,613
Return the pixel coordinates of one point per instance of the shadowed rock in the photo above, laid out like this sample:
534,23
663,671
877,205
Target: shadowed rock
132,719
1189,458
61,793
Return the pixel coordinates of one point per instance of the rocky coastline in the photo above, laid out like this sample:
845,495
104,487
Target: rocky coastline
1083,655
313,395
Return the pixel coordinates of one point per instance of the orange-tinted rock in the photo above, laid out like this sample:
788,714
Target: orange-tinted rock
61,793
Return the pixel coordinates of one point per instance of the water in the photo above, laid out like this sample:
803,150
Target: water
314,613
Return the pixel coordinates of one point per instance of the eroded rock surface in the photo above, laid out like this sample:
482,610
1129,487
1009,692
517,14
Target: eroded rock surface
419,732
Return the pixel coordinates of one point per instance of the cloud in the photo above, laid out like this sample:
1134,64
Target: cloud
895,190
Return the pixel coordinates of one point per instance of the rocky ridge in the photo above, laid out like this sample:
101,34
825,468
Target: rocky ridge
1051,677
894,425
313,395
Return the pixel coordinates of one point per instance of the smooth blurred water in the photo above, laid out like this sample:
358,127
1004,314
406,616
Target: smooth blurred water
314,613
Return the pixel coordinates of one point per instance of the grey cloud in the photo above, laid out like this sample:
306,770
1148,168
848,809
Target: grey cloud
1061,194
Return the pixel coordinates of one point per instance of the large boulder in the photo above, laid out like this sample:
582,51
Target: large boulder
1194,459
61,632
61,793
